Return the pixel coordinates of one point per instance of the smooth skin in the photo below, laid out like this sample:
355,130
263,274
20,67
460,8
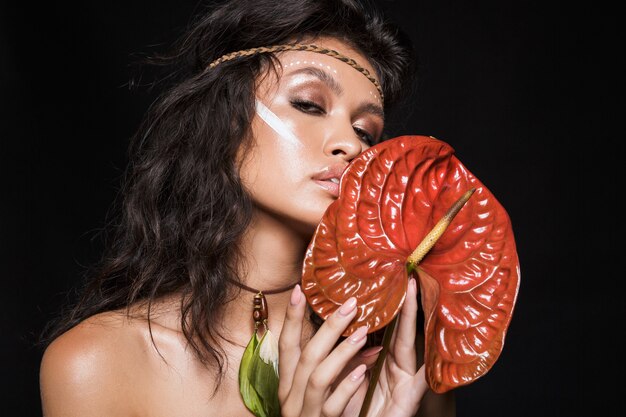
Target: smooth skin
112,365
313,380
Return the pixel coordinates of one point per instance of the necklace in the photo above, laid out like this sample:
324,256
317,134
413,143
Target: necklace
258,371
270,292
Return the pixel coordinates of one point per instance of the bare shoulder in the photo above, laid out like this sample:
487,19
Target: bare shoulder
87,370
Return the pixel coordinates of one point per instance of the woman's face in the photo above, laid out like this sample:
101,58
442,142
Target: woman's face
328,113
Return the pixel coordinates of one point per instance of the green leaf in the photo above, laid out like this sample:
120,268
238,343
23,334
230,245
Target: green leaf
264,379
249,395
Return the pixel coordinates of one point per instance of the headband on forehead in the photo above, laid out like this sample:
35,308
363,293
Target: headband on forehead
301,47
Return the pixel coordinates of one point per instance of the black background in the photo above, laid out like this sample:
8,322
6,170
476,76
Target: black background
527,92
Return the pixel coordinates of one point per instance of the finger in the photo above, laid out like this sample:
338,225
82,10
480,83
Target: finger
403,347
367,357
289,341
339,399
326,373
370,355
320,345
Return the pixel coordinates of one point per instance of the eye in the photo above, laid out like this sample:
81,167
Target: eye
365,137
308,107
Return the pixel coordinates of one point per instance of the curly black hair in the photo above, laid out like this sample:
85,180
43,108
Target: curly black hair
182,209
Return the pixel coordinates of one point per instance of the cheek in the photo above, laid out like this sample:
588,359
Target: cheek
273,161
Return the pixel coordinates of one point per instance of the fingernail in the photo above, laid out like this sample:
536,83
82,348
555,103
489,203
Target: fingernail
358,372
348,306
371,351
295,295
413,284
359,334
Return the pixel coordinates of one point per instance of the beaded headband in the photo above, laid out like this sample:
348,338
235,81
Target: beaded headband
300,47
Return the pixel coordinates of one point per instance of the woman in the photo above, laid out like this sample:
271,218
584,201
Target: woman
230,172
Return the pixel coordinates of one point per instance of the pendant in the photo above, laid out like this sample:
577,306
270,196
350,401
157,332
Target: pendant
258,371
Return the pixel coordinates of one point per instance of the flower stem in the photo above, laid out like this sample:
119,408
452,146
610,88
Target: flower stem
378,367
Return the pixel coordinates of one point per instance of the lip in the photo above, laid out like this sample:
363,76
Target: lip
331,187
324,176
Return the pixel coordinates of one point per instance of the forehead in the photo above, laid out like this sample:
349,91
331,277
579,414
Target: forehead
333,71
332,45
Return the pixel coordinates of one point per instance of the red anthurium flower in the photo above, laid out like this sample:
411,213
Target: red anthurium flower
391,196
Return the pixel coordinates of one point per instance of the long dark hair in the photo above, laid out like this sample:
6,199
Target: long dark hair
182,208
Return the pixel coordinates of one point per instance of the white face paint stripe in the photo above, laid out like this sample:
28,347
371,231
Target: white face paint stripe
274,122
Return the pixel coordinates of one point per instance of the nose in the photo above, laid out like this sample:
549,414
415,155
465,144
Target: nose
343,141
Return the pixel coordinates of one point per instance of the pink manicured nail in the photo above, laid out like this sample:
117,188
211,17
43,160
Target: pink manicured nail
358,372
348,306
371,351
359,334
295,295
413,284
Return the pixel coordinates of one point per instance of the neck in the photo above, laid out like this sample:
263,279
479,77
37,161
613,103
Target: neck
273,252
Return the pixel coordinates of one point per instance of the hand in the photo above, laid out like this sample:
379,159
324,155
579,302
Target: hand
312,381
321,381
400,387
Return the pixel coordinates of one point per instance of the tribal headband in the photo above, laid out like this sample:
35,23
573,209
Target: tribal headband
301,47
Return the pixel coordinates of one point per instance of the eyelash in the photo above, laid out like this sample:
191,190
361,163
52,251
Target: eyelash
366,137
306,106
310,107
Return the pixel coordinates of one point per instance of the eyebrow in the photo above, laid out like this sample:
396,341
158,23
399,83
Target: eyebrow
323,76
372,108
335,87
